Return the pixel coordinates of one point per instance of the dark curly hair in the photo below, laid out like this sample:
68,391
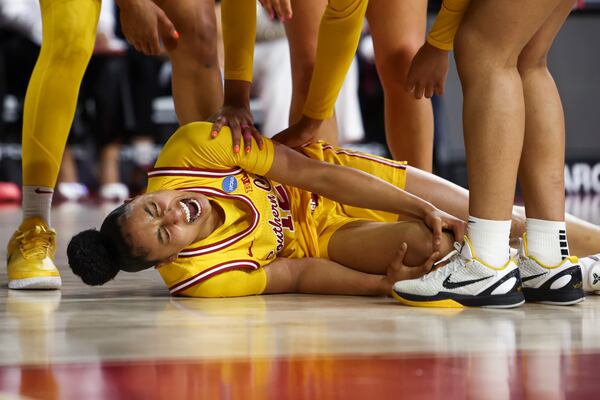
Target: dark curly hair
97,256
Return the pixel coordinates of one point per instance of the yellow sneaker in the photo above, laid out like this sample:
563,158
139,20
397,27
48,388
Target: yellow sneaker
30,257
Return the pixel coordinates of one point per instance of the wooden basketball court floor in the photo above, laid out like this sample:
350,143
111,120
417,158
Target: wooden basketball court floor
130,340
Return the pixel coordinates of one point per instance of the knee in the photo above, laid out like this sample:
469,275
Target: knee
69,44
197,43
393,65
478,55
531,60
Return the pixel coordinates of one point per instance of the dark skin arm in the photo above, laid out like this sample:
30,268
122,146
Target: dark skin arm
236,114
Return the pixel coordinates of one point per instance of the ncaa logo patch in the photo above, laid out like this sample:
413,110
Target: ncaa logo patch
229,184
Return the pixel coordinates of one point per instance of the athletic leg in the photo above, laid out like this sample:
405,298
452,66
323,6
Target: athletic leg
398,29
197,85
584,237
370,247
69,29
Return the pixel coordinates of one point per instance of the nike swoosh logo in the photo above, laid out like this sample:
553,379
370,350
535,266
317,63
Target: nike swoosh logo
453,285
528,278
40,191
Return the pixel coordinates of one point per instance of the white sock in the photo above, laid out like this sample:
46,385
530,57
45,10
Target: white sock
36,202
547,240
490,240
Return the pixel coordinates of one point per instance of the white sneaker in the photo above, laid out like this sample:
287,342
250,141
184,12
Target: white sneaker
559,284
590,268
72,191
114,192
464,282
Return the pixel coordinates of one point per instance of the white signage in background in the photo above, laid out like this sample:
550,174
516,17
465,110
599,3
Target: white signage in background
582,178
584,207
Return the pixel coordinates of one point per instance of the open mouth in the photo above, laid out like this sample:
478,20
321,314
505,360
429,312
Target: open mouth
191,208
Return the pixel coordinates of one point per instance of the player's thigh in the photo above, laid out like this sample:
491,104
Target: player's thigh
370,247
398,31
535,52
494,32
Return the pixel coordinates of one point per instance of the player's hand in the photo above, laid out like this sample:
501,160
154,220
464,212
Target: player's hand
241,123
428,72
398,271
438,221
144,24
281,9
299,134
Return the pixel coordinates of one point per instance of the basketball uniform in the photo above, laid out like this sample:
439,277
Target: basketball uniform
264,219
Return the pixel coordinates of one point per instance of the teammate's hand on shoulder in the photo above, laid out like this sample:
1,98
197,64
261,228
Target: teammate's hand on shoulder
144,24
281,9
398,271
299,134
239,119
438,221
428,72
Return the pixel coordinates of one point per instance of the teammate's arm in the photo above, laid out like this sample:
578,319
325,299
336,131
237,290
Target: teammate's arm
429,68
359,189
322,276
339,33
144,24
238,20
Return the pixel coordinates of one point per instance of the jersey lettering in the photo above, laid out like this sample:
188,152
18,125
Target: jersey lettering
284,199
263,183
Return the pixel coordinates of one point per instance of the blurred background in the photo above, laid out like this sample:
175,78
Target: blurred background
126,112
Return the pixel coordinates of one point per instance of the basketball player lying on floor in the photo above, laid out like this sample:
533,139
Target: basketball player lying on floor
216,224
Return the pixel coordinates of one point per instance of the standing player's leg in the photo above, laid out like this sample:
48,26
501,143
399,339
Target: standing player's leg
584,237
302,32
492,35
398,29
546,263
196,81
69,28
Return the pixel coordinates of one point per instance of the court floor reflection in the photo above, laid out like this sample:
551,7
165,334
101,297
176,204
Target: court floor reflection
131,340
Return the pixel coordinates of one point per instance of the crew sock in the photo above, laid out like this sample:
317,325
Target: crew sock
547,241
36,202
490,240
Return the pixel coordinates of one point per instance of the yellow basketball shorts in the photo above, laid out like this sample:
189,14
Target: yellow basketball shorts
329,216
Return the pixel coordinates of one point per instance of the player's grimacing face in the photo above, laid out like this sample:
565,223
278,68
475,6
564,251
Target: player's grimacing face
167,221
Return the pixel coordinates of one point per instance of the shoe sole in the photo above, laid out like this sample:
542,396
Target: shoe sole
554,297
448,300
564,296
42,282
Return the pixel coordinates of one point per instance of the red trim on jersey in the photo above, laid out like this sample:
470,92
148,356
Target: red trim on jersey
195,172
247,265
211,248
389,163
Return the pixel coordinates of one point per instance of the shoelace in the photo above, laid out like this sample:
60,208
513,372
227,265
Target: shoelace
35,243
455,258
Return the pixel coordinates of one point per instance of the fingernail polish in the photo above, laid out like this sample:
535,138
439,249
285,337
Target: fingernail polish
247,149
236,148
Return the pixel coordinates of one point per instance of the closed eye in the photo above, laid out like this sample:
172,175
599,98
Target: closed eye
163,235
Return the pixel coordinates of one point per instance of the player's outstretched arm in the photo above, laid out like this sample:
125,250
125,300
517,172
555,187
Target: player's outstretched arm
359,189
322,276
